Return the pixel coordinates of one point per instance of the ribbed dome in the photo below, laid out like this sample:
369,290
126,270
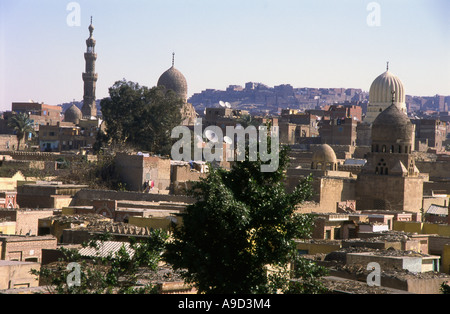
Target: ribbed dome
324,154
73,114
392,126
382,87
174,80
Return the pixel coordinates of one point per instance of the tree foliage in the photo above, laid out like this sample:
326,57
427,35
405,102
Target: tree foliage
117,273
21,125
140,117
445,288
243,221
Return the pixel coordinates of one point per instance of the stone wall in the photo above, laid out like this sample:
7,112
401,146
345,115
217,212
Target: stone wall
15,275
436,169
85,197
136,170
23,248
27,220
389,193
335,190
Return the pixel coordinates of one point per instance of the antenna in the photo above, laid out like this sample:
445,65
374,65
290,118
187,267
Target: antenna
211,136
228,140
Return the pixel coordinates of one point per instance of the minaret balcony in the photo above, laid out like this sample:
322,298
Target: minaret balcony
90,76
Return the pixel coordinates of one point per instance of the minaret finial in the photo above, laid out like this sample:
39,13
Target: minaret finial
387,66
173,58
91,19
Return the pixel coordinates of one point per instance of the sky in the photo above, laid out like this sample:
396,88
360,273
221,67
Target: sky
305,43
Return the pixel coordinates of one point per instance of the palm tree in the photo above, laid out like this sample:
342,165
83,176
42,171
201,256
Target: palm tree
21,125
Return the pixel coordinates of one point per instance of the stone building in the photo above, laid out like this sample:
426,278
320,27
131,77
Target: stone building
430,132
46,194
330,186
142,172
40,113
295,126
26,219
16,275
390,179
338,131
25,248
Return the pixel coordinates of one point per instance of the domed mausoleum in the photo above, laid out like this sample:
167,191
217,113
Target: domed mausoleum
324,158
73,114
390,179
392,131
174,80
380,95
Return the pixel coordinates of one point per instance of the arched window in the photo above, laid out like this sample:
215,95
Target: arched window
399,149
376,148
383,148
376,170
392,149
386,171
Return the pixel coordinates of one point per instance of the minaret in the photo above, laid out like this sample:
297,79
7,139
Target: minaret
89,108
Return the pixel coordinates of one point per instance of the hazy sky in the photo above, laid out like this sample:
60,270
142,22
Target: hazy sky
305,43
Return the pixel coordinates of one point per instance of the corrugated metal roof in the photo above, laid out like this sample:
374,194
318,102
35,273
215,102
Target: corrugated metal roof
357,162
437,210
104,249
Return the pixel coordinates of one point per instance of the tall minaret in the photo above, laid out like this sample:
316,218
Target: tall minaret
89,108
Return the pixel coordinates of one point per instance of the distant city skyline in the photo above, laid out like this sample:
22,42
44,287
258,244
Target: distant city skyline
304,43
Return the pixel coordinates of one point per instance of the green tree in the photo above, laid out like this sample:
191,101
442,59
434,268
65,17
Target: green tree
242,222
140,117
445,288
247,120
22,125
117,273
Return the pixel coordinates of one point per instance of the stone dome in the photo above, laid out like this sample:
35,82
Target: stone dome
73,114
174,80
324,158
324,154
392,127
381,89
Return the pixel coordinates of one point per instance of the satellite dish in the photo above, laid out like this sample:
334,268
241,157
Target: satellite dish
221,103
211,136
228,140
227,104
